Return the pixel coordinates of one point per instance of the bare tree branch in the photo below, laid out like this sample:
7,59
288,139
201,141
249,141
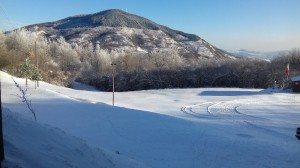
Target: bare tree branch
24,98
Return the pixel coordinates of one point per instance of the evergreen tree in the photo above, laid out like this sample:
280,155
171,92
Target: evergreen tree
28,70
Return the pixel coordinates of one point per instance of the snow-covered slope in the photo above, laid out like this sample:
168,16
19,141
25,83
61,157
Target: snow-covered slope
30,144
124,32
205,127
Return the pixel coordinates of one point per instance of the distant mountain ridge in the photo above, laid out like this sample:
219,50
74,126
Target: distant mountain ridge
257,54
119,30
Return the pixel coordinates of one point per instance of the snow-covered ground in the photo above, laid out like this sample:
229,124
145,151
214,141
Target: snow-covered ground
191,128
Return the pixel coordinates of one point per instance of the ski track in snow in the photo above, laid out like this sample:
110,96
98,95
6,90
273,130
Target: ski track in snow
223,110
215,109
228,111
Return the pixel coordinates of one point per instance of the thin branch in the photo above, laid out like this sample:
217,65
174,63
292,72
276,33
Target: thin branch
24,98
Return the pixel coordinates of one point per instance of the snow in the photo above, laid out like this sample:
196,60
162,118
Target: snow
199,47
203,127
295,78
31,144
139,49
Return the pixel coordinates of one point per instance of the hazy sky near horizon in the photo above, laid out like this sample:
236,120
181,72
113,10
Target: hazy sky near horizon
261,25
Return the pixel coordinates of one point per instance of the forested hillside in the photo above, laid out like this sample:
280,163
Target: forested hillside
62,63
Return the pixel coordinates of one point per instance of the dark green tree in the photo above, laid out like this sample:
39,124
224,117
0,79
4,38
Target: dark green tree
28,70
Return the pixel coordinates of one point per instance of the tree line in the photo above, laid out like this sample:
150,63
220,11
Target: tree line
62,63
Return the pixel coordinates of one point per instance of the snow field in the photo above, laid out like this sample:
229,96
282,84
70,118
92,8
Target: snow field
205,127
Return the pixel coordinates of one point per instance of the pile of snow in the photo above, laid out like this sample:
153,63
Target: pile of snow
205,127
31,144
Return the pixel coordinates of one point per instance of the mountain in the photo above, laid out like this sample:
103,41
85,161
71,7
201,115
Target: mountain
256,54
118,30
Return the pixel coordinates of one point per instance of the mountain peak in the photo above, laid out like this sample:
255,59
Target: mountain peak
115,28
114,18
110,18
113,12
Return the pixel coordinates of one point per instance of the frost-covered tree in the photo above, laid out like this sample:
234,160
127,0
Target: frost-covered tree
4,56
28,70
101,60
66,58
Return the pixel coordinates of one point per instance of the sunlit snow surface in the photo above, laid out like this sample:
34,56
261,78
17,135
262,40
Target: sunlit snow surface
191,128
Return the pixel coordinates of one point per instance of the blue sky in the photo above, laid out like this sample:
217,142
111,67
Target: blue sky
261,25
